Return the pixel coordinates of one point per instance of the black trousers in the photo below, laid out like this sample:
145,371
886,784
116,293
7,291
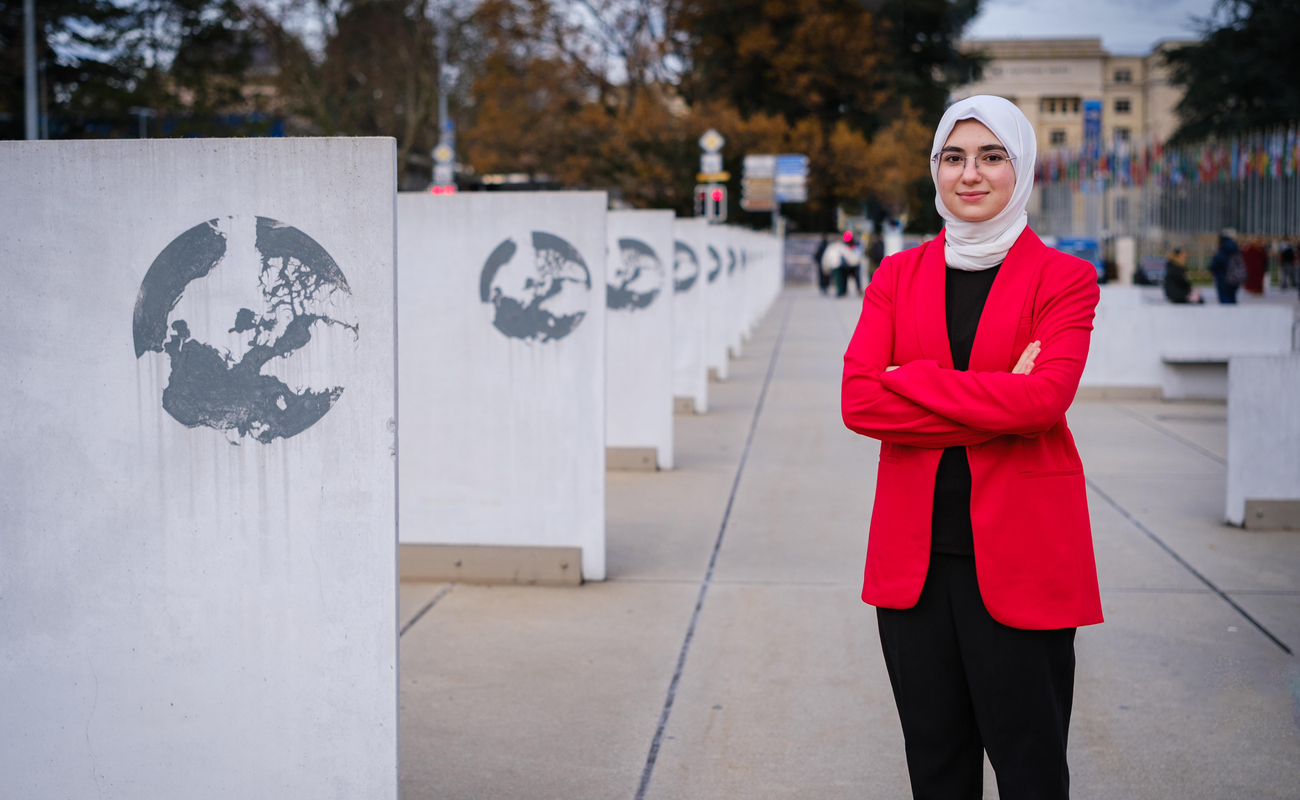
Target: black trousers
965,683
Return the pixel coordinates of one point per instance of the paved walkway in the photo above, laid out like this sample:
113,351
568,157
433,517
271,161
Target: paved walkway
729,656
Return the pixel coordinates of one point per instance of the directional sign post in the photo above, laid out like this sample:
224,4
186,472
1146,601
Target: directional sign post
771,180
444,169
711,194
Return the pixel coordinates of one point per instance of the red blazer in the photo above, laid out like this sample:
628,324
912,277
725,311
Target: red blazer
1029,512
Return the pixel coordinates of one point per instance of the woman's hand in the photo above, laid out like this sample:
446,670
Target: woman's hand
1026,362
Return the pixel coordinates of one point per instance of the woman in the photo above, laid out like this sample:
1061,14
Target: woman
979,560
1177,288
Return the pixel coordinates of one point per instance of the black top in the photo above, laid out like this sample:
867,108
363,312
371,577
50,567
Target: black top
950,528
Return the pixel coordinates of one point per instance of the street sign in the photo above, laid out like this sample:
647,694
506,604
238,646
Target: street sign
711,162
443,154
712,141
713,177
770,180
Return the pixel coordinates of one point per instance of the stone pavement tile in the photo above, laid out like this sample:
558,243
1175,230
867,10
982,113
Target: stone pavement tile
1203,424
785,695
1112,442
1170,703
1127,559
1187,515
537,692
662,525
1279,613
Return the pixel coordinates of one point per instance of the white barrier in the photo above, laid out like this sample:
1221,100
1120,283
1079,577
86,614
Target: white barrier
1263,431
718,298
1140,343
690,320
639,337
502,322
198,545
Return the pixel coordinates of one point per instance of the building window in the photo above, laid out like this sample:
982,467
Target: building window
1123,76
1059,105
1058,137
1123,136
1123,105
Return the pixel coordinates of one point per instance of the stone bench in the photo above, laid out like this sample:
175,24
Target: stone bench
1194,376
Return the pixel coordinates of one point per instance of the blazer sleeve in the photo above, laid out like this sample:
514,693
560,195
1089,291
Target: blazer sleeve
871,409
1016,404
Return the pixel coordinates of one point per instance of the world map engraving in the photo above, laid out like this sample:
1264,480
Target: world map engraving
302,291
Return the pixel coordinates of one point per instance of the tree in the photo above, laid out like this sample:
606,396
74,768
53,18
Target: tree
1241,75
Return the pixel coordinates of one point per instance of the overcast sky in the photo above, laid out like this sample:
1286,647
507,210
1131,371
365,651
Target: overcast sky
1125,26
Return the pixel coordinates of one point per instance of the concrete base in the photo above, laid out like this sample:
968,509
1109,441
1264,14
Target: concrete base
1118,393
1263,428
541,566
683,405
637,459
1273,515
1195,380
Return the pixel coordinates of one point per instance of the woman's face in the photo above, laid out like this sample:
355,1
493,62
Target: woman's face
975,189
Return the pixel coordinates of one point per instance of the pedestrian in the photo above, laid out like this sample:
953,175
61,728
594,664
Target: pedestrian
823,276
842,256
1228,268
851,269
1286,259
979,559
1177,288
1256,260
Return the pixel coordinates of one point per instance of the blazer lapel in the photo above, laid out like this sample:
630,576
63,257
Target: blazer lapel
931,304
1009,303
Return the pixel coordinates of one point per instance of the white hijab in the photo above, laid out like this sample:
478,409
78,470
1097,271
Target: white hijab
975,246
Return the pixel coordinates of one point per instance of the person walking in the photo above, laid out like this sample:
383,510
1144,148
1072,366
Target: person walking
1256,260
1228,268
979,558
841,256
1286,260
823,277
1177,288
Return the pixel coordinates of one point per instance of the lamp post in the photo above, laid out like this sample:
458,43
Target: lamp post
29,70
444,155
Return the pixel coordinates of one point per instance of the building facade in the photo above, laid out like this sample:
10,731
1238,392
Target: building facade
1061,84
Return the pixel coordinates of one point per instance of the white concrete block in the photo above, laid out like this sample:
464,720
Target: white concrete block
719,300
1134,332
198,555
639,332
501,307
1263,431
690,313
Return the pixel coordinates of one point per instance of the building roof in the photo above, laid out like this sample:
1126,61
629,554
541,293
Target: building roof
1083,47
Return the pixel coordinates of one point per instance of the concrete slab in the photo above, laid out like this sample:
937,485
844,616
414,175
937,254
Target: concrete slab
537,692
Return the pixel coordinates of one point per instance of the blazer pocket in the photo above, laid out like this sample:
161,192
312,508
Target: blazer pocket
1050,473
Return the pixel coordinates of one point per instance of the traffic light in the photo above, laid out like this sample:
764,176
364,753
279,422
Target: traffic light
718,201
711,202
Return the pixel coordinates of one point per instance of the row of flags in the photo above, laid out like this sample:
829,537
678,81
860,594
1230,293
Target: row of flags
1273,154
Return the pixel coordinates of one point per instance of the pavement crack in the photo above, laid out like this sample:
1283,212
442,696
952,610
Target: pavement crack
425,610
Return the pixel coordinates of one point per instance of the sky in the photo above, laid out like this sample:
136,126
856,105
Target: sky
1126,27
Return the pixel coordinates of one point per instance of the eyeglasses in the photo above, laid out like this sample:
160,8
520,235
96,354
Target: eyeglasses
987,162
